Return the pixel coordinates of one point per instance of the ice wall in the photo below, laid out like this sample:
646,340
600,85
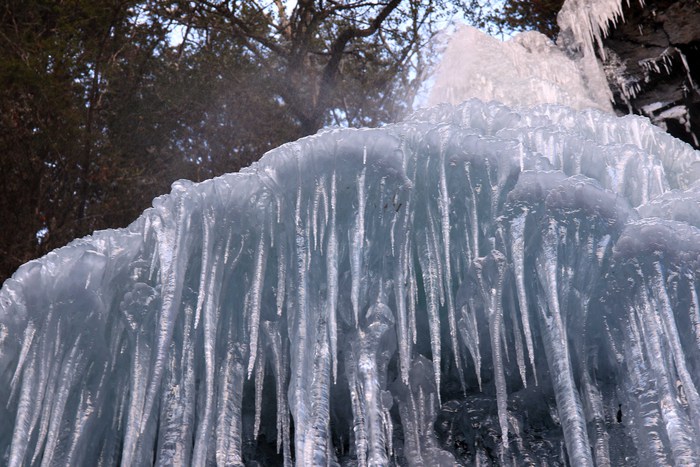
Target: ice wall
476,284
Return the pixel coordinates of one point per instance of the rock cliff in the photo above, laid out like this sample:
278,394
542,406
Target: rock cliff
652,61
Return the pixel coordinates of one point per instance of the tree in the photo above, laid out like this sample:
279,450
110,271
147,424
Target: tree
67,170
325,61
518,15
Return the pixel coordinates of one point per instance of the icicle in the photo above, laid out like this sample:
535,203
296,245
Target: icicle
670,332
694,310
430,284
229,448
490,283
358,416
279,364
556,347
517,338
366,369
332,279
171,294
281,277
139,372
318,226
444,207
301,336
387,424
412,298
370,371
517,231
677,426
27,340
20,437
314,214
259,379
594,402
410,416
207,305
62,391
415,428
401,288
45,390
255,299
474,221
314,439
644,407
177,410
437,258
358,239
85,410
468,326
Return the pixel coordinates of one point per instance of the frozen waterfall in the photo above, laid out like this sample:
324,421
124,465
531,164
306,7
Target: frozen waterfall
509,283
474,285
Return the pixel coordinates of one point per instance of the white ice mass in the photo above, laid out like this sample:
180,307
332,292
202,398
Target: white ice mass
525,70
479,284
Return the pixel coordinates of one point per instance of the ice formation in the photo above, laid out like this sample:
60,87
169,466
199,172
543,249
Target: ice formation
577,71
526,70
479,284
475,284
588,21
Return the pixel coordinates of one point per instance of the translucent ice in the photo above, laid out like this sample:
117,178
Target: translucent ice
475,284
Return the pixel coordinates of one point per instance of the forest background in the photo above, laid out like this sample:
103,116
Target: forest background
104,103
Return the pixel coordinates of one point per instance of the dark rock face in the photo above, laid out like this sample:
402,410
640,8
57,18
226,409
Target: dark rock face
652,61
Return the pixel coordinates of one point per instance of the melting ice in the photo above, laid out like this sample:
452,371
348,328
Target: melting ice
476,284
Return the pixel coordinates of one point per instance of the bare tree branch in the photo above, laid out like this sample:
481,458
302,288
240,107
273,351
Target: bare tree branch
330,71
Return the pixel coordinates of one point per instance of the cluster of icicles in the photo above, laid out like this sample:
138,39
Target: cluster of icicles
476,284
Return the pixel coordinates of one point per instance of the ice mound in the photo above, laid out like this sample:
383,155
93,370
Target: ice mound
475,284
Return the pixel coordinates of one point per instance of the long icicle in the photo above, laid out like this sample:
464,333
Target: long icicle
568,402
